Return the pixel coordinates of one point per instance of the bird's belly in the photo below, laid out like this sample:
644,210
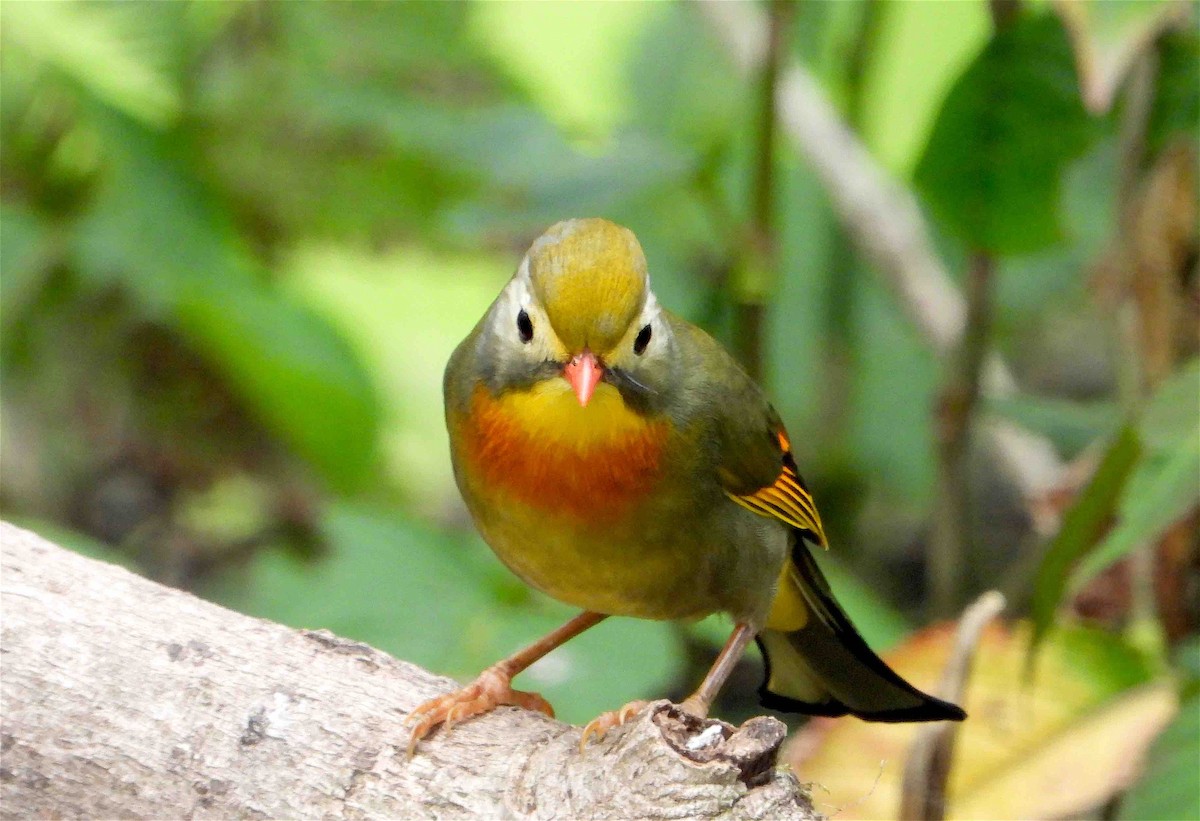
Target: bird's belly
581,510
608,570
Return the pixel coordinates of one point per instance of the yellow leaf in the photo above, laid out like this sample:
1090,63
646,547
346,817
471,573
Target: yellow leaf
1058,745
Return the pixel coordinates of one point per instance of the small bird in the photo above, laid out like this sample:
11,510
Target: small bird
618,459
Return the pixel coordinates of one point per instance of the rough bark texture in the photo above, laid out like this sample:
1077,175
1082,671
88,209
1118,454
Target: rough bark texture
124,699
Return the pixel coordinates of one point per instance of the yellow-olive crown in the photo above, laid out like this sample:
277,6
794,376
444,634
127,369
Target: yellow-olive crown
589,275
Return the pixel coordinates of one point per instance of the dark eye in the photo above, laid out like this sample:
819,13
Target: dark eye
524,326
643,339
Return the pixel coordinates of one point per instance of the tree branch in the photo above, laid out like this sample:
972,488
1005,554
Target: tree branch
123,698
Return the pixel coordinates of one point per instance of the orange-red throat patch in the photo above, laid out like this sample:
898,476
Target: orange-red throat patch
542,448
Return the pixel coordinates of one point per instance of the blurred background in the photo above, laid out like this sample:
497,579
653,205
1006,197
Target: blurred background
956,241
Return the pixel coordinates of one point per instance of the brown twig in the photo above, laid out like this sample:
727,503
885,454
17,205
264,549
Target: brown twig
1156,241
1141,360
761,261
927,770
957,402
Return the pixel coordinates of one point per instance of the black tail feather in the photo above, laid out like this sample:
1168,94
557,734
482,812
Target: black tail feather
826,668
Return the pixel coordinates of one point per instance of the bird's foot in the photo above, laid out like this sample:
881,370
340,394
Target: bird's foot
604,722
492,689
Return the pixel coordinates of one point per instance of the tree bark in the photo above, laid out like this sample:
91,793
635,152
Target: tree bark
122,698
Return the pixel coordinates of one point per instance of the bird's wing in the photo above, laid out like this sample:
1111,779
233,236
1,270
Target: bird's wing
816,661
753,458
756,466
786,497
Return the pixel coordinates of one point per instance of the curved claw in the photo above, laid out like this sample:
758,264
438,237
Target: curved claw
604,722
533,702
629,711
419,731
487,692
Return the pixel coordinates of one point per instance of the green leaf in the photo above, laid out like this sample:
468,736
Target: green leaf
1176,108
1187,661
675,54
23,240
527,172
157,232
1173,410
1166,482
1170,787
897,371
409,40
294,370
1071,425
1161,491
98,46
1007,129
1081,527
151,227
574,73
920,49
382,576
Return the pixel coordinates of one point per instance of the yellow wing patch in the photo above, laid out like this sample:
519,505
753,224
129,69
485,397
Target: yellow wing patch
786,499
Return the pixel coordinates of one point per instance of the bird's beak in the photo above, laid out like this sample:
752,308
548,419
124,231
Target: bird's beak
583,372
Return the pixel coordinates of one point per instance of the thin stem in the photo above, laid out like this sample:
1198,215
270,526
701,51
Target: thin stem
1004,13
951,539
957,404
841,288
1146,353
761,262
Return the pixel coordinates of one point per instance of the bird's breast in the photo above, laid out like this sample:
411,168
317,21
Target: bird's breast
543,449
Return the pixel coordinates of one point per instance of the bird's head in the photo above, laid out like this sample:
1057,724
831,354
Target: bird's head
580,309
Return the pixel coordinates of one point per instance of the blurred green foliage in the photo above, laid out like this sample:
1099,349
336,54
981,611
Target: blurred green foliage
1082,527
1170,788
1009,126
239,241
1165,484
